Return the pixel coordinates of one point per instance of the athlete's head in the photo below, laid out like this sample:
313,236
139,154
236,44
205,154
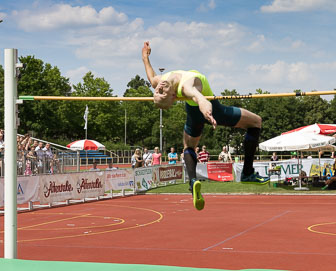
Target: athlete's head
164,95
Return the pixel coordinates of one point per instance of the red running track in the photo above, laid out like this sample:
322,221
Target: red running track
232,232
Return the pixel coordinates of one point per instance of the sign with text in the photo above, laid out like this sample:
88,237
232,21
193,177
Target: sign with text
220,172
119,179
170,173
143,178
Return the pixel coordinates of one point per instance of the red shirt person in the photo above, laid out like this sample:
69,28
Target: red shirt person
204,155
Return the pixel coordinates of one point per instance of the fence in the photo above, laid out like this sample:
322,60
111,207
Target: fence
47,190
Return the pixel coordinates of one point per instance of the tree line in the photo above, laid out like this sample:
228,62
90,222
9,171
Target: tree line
62,121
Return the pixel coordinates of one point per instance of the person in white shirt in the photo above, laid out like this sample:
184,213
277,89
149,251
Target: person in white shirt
147,158
225,156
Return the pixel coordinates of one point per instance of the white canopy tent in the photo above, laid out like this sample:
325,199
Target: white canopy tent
299,141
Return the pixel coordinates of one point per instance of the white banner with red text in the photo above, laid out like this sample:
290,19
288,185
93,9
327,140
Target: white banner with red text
61,187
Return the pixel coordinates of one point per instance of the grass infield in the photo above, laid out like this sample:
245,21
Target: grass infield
238,188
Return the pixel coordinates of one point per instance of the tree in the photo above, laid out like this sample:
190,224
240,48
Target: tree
140,115
41,79
105,117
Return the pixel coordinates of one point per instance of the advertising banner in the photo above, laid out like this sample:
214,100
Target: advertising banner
289,168
58,187
220,172
61,187
28,188
90,185
214,171
119,179
143,178
169,173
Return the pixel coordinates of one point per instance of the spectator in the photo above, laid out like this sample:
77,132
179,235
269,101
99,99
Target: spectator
110,166
330,183
204,155
197,150
47,151
20,159
274,157
172,156
2,142
35,145
40,157
48,156
182,157
147,158
30,163
138,158
94,167
225,156
156,157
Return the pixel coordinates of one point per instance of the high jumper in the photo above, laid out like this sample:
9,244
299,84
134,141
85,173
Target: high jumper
194,86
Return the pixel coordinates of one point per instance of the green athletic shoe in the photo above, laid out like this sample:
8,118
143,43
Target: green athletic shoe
198,199
254,178
325,187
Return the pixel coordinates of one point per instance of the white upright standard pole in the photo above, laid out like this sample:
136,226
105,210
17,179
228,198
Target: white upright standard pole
10,246
161,126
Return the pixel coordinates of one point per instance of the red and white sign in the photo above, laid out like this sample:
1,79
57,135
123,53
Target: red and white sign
61,187
220,172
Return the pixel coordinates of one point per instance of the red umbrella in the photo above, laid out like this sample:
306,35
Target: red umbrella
323,129
86,144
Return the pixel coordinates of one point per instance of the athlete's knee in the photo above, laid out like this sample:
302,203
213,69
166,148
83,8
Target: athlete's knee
191,152
258,121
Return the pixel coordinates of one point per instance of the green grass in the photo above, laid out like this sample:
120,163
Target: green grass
236,187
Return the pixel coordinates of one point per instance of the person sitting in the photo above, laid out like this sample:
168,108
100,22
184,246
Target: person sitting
225,156
94,167
274,157
110,166
330,183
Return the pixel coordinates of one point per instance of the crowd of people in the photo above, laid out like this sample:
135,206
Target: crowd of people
33,157
147,158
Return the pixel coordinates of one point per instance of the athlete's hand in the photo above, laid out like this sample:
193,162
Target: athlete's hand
206,108
146,50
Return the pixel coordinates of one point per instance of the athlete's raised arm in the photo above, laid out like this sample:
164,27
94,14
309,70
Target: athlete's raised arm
151,75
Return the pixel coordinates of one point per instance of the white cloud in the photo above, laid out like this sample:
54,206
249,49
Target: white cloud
204,7
296,75
63,15
225,52
257,45
298,5
2,15
76,75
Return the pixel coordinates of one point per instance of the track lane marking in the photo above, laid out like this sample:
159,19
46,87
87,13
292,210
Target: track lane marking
247,230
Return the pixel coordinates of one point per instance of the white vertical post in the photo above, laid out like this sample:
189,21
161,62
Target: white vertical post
161,126
10,244
125,126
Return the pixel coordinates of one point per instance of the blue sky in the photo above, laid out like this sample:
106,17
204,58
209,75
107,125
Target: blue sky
275,45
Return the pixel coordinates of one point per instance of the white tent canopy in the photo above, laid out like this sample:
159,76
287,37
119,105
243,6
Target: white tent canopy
299,141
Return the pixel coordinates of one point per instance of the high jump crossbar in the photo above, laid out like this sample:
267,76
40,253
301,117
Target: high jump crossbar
249,96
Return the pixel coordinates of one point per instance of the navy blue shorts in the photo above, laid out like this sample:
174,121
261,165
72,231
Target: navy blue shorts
224,115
